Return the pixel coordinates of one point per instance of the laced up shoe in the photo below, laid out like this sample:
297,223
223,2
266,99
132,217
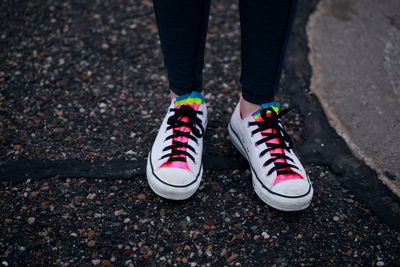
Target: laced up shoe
279,178
174,165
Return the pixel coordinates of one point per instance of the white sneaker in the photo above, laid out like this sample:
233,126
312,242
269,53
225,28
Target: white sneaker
278,177
174,165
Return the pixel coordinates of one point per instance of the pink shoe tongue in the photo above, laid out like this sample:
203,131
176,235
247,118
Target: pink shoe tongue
257,116
193,100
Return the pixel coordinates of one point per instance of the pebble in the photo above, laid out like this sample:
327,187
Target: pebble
31,220
95,262
106,263
265,235
141,196
91,243
335,218
91,196
118,212
380,263
91,234
127,220
233,257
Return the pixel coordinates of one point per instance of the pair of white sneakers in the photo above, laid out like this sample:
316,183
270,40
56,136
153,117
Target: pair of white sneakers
174,165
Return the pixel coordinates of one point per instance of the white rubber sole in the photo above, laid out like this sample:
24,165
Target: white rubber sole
273,200
171,192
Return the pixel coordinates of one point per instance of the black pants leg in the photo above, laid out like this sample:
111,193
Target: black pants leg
182,26
265,27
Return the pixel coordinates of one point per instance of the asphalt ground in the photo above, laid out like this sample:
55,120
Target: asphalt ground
84,80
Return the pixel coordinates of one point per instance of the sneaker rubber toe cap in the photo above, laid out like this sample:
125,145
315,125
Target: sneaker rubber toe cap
176,177
292,188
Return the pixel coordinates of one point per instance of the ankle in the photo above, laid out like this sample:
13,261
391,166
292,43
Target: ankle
247,108
173,95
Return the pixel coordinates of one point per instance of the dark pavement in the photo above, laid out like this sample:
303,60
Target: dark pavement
84,80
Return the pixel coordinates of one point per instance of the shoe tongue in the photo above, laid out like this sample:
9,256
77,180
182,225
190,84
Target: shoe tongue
192,98
274,105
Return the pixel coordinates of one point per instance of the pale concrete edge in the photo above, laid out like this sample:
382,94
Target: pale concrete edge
332,119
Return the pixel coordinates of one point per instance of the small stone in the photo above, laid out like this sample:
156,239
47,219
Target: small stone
187,247
31,220
349,252
91,234
17,147
336,218
91,243
254,228
233,257
106,263
141,196
118,212
127,220
128,252
91,196
34,193
223,252
74,234
184,260
162,212
380,263
95,262
265,235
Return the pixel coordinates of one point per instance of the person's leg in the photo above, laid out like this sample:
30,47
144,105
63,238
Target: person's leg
182,27
265,27
174,165
279,178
